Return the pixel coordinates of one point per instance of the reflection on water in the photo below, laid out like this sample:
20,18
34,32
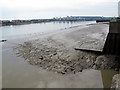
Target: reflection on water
18,30
19,74
107,76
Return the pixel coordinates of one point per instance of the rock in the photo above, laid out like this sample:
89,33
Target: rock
68,70
47,50
106,62
55,53
63,72
99,61
116,82
116,69
90,63
41,57
88,60
94,67
82,57
78,68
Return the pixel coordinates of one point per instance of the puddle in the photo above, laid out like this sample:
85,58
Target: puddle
107,76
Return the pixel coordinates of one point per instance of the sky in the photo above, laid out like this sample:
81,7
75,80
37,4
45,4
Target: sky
36,9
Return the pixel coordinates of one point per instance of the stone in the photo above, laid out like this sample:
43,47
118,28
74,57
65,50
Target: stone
94,67
41,57
47,50
88,60
55,53
116,82
99,60
78,68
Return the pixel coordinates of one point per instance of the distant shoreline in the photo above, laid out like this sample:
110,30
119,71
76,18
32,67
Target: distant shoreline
63,19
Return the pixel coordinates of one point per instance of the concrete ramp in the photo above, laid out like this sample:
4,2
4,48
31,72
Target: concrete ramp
92,45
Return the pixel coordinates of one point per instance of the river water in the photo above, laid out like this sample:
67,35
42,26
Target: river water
10,32
16,73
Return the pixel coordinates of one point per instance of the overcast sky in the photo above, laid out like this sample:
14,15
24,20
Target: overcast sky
30,9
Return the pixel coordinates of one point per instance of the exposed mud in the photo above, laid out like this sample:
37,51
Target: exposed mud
56,52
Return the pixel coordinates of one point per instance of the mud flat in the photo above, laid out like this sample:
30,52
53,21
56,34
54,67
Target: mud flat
55,52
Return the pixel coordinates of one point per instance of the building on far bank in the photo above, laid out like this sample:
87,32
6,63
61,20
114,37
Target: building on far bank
16,21
6,22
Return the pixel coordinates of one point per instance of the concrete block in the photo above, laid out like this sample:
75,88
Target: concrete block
114,27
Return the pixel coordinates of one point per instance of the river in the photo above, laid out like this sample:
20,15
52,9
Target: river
13,31
16,73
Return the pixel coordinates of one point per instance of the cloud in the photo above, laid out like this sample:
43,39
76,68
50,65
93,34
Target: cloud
45,4
50,8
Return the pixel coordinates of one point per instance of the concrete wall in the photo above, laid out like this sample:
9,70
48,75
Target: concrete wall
114,27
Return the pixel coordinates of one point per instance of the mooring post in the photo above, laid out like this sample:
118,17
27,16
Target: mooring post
112,44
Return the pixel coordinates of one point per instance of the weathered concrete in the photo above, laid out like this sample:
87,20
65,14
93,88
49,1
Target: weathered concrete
114,26
112,44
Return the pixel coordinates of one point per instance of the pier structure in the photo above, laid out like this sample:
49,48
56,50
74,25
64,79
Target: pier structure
112,44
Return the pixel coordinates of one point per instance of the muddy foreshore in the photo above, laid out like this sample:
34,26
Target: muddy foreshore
56,51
